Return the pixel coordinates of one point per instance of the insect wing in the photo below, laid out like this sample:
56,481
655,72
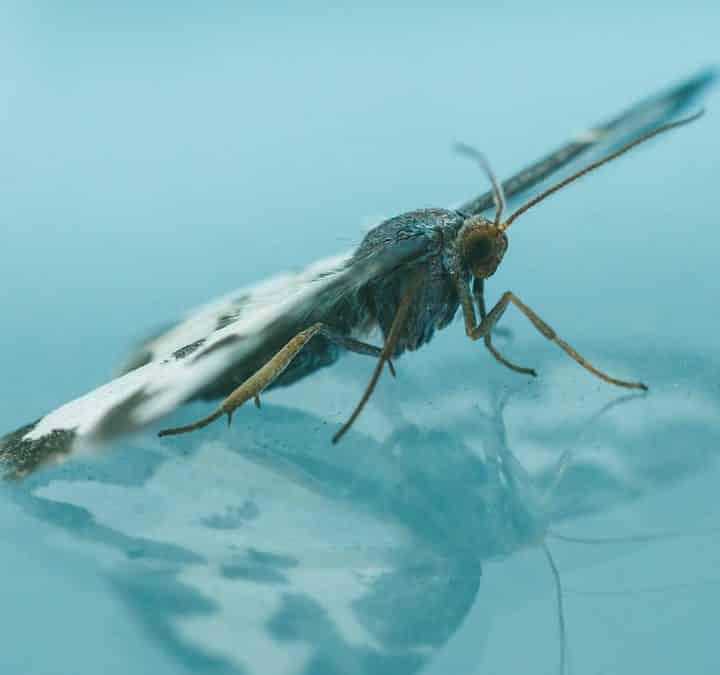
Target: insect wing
604,137
247,304
176,374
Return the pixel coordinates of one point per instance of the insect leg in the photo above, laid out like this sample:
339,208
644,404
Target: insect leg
397,326
480,300
262,378
356,346
485,326
559,605
255,384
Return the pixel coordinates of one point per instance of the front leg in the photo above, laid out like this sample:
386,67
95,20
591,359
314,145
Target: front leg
468,309
478,292
475,332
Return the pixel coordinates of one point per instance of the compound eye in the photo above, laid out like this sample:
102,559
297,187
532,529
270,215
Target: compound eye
480,251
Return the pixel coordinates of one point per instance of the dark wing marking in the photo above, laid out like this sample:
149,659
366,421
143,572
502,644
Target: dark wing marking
202,321
625,127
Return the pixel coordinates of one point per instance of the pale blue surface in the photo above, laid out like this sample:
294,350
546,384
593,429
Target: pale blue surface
153,158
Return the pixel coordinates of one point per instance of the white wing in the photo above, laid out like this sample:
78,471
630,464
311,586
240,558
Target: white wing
254,306
169,376
197,354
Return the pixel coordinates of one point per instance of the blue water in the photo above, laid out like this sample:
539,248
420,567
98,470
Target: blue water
154,157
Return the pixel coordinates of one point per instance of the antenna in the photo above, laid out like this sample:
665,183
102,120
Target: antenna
498,194
596,165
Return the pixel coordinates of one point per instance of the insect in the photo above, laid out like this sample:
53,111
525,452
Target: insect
408,278
451,254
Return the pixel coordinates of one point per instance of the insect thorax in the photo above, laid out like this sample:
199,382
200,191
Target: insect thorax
436,300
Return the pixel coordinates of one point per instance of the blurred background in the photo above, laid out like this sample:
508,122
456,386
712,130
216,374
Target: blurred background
156,155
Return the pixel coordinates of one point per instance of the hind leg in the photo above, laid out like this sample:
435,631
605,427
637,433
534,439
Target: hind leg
274,368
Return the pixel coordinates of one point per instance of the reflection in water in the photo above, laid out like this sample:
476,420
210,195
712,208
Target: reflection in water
267,550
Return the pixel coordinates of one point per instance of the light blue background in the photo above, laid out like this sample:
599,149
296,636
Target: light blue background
153,156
